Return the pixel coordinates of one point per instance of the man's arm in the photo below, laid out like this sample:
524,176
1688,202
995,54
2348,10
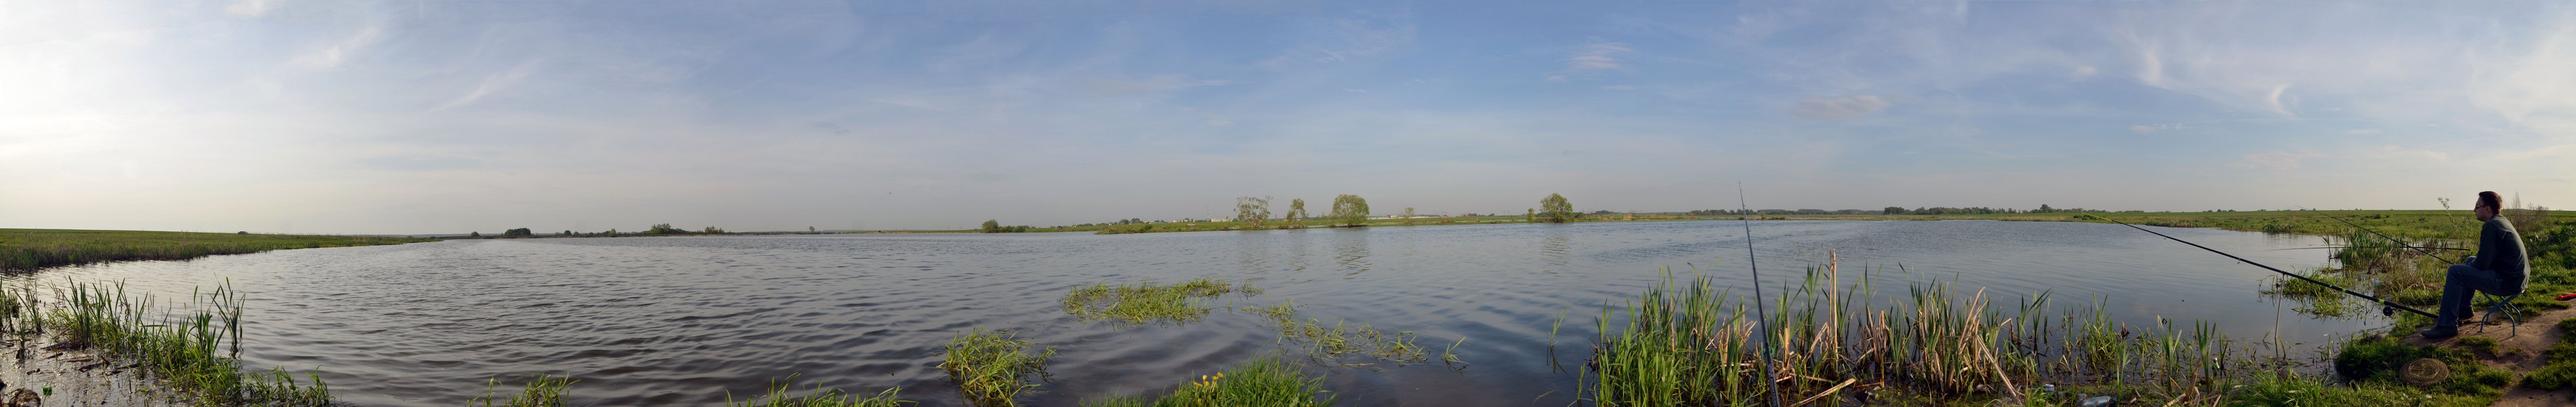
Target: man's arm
2489,239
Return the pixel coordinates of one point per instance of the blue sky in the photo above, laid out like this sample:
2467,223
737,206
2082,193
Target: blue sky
441,116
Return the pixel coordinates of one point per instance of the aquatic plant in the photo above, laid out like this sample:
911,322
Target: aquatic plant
816,397
185,348
1262,382
1688,343
1330,344
539,391
988,366
1143,302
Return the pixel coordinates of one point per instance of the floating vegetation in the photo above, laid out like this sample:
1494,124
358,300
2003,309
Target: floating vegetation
988,366
1688,343
37,248
540,391
1263,382
1330,345
816,397
1144,302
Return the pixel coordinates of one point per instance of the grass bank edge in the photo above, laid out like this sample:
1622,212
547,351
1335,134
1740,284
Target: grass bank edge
30,249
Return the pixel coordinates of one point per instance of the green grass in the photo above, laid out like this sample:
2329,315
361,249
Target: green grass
1684,342
778,396
23,249
1333,344
1264,382
539,391
1144,302
2317,299
2559,372
2375,358
989,366
194,346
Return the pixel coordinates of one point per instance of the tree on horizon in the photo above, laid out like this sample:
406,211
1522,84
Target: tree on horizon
1253,210
1350,210
1556,209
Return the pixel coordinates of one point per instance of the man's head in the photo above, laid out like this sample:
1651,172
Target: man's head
2488,204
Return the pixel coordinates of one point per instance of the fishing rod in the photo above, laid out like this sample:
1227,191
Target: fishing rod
1760,316
2387,308
2374,232
2348,247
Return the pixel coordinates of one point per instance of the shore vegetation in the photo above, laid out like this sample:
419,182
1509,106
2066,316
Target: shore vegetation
28,249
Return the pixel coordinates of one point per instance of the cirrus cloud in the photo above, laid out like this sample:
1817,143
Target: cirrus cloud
1840,107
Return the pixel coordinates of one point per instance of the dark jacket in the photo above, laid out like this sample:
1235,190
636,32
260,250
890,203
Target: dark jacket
2500,251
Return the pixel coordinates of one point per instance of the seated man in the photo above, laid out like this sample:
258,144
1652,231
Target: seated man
2499,269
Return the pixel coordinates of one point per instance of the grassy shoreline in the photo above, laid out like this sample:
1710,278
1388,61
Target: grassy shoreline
30,249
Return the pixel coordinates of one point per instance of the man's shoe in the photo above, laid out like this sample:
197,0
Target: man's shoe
2440,332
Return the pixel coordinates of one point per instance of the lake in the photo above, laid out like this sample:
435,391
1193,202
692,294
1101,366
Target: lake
681,320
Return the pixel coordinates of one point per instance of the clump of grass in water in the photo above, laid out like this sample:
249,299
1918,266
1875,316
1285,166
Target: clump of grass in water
1329,345
2360,250
988,366
816,397
1143,302
540,391
186,349
1264,382
2315,299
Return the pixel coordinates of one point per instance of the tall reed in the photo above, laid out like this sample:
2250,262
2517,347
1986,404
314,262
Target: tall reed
1689,343
194,346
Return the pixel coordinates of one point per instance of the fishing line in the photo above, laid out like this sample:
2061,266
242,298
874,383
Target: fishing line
2389,305
1761,317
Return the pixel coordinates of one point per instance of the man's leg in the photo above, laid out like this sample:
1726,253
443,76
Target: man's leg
2455,298
2460,283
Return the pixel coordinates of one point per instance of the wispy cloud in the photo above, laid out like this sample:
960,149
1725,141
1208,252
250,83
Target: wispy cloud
1837,108
2275,160
2151,128
331,56
490,85
1355,35
856,116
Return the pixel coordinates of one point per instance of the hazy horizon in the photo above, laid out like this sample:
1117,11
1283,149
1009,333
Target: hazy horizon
450,117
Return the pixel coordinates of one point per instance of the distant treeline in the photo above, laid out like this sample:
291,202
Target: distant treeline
656,229
1894,210
993,226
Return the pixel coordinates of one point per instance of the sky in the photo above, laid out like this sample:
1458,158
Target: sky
401,117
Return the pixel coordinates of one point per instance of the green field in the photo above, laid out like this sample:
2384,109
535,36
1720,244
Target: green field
24,249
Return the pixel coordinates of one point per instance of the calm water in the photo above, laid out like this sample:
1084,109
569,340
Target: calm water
663,321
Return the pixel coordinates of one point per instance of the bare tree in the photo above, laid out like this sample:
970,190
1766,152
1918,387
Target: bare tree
1408,215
